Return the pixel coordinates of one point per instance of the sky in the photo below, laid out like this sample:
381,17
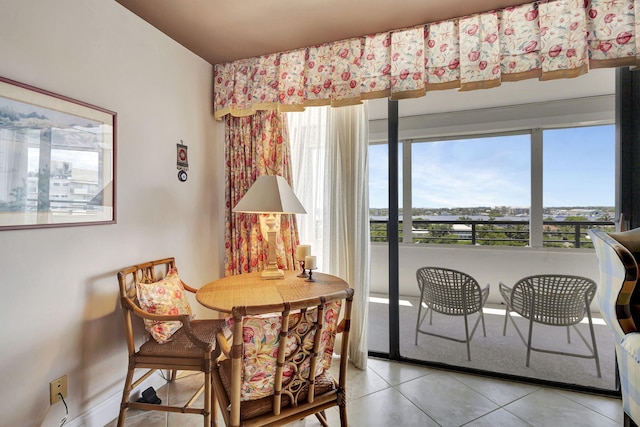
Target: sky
578,170
88,160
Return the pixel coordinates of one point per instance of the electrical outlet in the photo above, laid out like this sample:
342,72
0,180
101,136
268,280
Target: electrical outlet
57,386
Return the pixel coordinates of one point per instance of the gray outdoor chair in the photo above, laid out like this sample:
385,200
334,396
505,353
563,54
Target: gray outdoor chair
555,300
453,293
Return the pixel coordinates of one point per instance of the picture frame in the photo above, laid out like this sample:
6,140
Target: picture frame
57,160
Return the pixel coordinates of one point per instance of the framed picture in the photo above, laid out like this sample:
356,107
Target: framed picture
57,160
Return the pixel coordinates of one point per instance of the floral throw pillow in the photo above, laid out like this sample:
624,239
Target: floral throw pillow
166,296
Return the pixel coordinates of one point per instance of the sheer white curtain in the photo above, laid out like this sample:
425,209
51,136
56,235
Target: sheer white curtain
308,142
329,156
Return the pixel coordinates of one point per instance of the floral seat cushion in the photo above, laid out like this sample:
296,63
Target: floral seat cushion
261,337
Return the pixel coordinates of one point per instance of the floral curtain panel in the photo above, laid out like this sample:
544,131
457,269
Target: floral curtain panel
545,39
255,146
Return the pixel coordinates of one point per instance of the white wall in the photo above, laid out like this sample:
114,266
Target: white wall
59,290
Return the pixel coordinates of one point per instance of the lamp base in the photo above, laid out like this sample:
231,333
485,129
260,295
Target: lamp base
272,274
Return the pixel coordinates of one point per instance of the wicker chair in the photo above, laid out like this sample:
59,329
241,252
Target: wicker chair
453,293
191,348
267,380
555,300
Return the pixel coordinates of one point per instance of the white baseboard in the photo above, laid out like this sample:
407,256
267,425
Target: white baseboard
108,410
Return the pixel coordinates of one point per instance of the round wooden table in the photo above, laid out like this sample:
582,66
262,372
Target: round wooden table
250,289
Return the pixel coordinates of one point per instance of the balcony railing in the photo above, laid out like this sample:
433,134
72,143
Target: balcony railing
569,234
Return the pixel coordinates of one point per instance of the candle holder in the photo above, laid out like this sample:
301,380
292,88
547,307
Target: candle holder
311,279
304,273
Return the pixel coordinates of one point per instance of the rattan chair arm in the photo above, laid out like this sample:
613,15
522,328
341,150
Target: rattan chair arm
223,344
184,318
188,288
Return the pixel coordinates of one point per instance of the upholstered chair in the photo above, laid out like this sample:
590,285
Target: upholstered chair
618,296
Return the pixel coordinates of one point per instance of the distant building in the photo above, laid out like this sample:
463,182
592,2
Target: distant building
462,230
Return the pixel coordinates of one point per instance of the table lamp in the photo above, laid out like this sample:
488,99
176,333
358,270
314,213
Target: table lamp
271,195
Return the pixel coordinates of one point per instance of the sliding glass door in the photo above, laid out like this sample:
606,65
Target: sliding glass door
497,204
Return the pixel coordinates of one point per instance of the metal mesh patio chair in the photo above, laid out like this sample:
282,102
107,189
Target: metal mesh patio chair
453,293
555,300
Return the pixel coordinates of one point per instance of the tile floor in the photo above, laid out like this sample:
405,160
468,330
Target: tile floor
391,393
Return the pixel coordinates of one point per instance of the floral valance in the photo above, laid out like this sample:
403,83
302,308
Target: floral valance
545,39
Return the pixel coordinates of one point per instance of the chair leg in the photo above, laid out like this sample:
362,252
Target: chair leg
466,332
214,406
529,341
418,321
506,317
322,417
125,396
595,347
568,335
421,318
208,416
343,416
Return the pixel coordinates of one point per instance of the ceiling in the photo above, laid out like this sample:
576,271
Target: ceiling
597,82
223,31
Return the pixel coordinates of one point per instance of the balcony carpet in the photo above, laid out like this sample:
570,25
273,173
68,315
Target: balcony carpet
495,352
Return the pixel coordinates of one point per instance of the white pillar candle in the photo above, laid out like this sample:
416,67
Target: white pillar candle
302,252
310,262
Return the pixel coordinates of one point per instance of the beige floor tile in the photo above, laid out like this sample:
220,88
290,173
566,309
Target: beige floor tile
609,407
361,383
446,400
498,391
397,373
547,407
333,418
386,408
498,418
145,419
185,420
183,388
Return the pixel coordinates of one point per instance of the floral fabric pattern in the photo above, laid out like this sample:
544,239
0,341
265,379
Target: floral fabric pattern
520,43
261,336
264,90
291,81
346,83
611,32
165,297
480,65
407,63
254,146
547,39
442,63
562,38
375,70
319,78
